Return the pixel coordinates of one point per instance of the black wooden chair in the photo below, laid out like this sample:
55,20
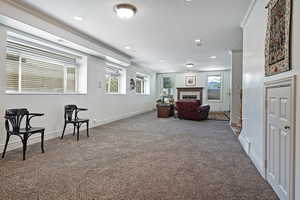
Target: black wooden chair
71,117
13,123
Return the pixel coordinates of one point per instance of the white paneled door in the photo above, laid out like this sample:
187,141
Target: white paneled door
279,140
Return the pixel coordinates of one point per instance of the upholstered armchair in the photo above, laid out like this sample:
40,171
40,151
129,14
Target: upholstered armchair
192,110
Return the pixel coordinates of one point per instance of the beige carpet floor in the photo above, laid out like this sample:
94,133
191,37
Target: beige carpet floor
220,116
141,158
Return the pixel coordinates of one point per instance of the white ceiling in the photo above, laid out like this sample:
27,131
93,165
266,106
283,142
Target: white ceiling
162,33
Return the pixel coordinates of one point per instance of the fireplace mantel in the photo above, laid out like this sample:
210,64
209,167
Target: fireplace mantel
190,89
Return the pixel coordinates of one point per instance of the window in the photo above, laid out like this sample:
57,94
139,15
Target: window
35,70
214,87
142,84
168,88
115,80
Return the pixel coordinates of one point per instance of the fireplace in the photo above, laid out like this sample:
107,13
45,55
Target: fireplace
195,93
189,97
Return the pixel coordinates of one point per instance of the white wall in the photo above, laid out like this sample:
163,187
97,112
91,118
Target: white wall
253,81
236,86
103,108
201,81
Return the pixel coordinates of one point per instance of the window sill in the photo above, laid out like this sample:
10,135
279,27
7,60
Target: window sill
42,93
215,101
115,93
142,94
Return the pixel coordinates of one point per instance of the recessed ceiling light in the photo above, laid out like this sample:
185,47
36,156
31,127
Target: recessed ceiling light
77,18
190,65
199,42
213,57
128,47
125,11
188,0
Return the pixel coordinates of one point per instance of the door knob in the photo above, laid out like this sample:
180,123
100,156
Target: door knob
287,128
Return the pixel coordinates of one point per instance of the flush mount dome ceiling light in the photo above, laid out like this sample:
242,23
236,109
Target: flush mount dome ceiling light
125,11
189,65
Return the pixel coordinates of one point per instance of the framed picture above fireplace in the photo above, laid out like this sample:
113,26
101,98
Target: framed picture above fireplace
190,81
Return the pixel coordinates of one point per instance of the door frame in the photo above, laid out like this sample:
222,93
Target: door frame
282,82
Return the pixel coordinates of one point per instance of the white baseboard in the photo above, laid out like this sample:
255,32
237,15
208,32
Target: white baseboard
54,134
119,117
256,160
245,143
32,140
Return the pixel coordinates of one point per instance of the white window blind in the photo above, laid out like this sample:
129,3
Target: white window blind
32,69
38,76
71,79
12,72
31,50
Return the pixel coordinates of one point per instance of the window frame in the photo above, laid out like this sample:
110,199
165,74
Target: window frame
169,91
221,88
39,58
146,84
121,79
65,67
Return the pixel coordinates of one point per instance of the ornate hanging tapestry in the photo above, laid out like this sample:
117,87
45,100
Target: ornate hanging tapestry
277,51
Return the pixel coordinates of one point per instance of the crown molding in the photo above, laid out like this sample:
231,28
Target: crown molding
146,69
248,13
56,22
193,71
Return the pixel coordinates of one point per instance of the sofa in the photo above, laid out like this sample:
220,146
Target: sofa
192,110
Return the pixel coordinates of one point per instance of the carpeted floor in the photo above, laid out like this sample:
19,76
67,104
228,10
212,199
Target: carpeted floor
135,159
219,116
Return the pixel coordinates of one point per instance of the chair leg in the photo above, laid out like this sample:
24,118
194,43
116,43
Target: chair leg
5,147
24,146
74,130
78,132
62,136
87,129
42,141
